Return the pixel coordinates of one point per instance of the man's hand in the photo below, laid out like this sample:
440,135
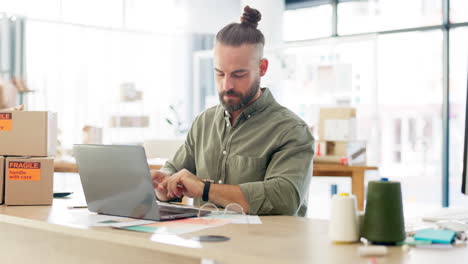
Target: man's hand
187,184
158,178
183,183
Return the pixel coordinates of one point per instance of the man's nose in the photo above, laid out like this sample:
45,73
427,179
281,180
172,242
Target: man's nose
228,83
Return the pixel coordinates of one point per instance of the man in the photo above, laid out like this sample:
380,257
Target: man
249,149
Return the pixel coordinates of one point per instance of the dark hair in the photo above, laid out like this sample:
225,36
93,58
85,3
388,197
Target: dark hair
246,32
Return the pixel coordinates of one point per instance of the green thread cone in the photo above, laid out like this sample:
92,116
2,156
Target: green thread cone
383,218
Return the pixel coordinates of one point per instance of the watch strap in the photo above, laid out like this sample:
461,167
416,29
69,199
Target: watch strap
206,190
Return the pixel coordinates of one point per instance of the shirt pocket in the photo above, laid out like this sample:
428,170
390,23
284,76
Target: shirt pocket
242,169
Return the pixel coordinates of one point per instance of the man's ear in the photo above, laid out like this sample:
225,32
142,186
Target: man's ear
263,66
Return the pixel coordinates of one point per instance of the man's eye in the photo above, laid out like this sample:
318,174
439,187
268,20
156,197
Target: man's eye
238,76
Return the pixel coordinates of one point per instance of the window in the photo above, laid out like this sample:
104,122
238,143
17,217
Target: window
380,15
328,73
395,82
458,11
307,23
333,73
458,75
408,88
409,109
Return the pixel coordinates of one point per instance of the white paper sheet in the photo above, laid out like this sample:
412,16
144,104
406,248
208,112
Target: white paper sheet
236,218
84,218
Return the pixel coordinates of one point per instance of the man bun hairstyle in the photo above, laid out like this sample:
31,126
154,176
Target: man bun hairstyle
250,17
246,32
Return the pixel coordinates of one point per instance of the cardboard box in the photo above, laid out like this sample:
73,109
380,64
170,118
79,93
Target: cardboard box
2,177
28,133
335,151
337,124
29,181
346,148
337,113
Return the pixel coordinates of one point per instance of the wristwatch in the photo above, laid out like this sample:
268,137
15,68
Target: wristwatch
206,189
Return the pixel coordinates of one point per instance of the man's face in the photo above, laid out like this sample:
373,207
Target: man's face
237,74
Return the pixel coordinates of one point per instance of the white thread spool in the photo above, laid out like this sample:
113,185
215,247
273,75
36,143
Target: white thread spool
375,251
344,222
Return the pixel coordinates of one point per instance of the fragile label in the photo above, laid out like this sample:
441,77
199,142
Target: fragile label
24,171
6,121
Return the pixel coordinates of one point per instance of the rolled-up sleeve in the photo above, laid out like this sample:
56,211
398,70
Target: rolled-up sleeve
287,176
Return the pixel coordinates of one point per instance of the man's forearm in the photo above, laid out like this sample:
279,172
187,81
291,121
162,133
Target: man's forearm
224,194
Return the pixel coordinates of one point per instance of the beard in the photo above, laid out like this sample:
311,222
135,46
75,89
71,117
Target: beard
244,100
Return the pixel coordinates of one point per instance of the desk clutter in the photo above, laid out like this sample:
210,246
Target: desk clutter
27,144
337,138
82,217
382,223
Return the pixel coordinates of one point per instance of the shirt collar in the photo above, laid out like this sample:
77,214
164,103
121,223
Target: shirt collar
265,99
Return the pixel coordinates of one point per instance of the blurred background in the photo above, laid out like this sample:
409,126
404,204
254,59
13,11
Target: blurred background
139,71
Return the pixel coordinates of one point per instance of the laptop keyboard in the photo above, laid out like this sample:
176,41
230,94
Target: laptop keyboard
170,210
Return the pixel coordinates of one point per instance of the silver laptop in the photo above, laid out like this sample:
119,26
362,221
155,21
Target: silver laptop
116,181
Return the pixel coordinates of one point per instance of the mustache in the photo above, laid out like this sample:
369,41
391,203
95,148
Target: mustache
230,92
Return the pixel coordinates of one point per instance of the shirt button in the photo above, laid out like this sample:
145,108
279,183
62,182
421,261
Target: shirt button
224,152
220,181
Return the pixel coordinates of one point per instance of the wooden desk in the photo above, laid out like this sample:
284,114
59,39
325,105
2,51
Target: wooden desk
355,172
31,235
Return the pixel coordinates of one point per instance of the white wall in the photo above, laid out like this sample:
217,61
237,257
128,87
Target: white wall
271,24
209,16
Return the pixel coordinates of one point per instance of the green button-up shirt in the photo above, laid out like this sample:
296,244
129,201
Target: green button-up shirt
267,152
